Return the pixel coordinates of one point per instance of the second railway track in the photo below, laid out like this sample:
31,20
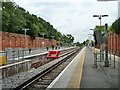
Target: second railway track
45,78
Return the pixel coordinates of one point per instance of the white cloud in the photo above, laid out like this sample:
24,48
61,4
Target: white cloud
58,1
72,16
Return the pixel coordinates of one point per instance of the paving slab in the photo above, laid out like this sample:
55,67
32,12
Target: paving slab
100,77
64,80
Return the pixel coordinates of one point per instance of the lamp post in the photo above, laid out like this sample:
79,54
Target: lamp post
100,17
106,46
43,39
63,42
59,42
25,38
71,41
90,40
94,38
52,38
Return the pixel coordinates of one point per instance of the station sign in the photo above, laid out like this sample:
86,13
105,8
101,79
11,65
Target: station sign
98,37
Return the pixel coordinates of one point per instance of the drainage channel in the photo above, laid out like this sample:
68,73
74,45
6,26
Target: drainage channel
43,80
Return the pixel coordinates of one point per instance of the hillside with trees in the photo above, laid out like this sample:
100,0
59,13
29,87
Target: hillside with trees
16,18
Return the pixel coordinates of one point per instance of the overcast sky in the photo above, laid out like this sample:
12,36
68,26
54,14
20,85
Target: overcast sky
72,16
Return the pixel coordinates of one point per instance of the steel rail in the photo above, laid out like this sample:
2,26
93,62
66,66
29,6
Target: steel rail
38,76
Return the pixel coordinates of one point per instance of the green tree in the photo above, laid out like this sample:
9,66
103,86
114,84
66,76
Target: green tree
78,44
116,26
12,17
70,38
16,18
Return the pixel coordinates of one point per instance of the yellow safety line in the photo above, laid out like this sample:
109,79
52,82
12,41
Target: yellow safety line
81,68
116,59
76,76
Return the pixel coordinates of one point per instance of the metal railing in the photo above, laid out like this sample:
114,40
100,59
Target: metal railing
14,56
100,57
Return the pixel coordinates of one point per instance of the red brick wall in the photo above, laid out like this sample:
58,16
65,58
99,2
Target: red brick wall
23,42
18,40
6,41
114,42
13,42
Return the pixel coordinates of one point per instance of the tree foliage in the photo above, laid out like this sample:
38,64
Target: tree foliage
78,44
16,18
116,26
102,28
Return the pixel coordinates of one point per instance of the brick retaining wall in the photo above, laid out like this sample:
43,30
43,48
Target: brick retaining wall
18,40
113,43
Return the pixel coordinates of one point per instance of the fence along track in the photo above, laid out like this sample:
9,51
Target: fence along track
43,82
43,79
38,63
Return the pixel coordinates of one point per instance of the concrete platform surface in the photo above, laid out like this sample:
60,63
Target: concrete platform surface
69,77
100,77
81,73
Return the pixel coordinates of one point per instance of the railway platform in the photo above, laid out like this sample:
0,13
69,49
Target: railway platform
12,81
81,73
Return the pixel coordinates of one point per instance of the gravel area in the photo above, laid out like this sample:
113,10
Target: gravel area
16,80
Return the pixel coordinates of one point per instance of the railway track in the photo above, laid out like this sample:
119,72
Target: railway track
43,79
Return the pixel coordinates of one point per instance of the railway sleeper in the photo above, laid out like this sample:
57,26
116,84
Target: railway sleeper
52,74
47,82
47,78
40,63
40,86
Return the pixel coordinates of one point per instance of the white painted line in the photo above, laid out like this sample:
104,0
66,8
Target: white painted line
1,67
34,55
57,78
